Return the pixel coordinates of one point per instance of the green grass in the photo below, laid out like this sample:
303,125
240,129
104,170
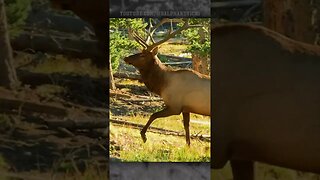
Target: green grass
173,122
173,49
63,65
127,144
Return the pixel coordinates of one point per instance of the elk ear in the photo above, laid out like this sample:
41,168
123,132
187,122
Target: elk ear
155,51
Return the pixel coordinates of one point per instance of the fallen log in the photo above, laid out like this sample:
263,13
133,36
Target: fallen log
27,108
78,123
64,23
69,44
83,88
159,130
127,76
118,94
177,58
36,79
24,107
142,100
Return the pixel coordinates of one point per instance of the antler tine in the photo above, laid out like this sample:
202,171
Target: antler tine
149,32
170,34
138,38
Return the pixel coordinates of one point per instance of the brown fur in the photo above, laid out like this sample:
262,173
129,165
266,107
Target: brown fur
165,82
152,72
266,100
283,41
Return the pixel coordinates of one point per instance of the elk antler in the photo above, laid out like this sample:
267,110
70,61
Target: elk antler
170,34
153,29
138,38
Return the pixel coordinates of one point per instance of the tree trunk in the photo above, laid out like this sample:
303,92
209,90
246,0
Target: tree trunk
112,83
8,77
200,64
298,20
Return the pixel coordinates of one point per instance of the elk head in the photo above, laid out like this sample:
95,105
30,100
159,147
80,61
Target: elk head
148,55
143,59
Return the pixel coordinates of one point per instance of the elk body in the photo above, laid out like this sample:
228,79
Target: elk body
95,13
183,91
266,100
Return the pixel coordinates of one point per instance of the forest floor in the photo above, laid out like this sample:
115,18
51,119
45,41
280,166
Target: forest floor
31,145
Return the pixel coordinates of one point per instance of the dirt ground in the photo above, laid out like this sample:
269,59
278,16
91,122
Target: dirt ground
33,148
126,100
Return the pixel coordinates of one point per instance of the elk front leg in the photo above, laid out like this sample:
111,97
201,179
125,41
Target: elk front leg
242,170
163,113
186,121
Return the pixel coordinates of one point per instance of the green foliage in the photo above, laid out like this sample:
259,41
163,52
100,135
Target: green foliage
198,38
17,11
163,58
120,45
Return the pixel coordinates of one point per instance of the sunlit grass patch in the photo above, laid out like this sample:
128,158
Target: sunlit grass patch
173,122
49,90
172,49
61,64
127,145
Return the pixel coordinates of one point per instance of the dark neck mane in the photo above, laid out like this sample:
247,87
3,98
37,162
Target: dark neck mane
154,76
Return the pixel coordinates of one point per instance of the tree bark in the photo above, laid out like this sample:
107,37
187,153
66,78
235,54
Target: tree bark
200,64
8,77
298,20
112,82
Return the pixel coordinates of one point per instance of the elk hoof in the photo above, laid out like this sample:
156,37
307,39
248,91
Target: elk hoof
143,136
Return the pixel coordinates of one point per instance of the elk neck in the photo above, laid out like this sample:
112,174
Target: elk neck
154,76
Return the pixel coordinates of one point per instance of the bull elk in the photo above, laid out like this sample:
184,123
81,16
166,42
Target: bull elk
266,100
183,91
95,13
